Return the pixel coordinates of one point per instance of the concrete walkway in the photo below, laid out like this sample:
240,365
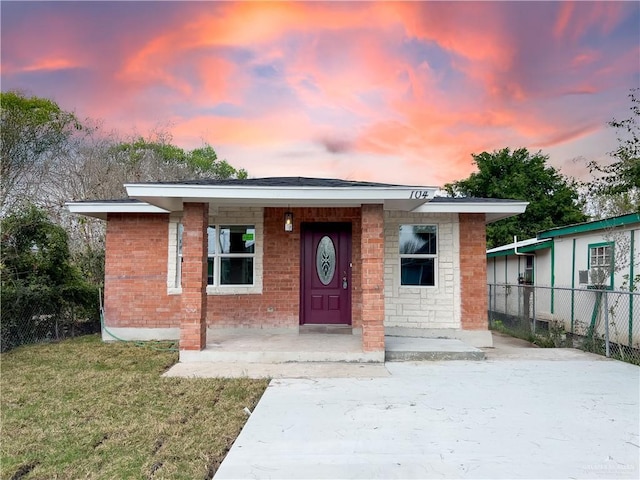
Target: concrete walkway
522,413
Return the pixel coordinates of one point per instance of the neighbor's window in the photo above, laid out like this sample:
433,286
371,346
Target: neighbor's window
601,263
231,254
418,255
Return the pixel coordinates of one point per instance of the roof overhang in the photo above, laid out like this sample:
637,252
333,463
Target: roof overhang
171,197
493,211
100,209
522,247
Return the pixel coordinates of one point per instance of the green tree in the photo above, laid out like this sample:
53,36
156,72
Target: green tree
41,289
155,159
519,175
204,162
33,131
616,186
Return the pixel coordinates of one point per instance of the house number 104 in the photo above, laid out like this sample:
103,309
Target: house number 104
419,194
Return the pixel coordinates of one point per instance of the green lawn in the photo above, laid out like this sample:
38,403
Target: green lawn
85,409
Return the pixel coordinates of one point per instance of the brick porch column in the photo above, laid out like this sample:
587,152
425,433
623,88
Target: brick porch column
193,324
372,251
473,271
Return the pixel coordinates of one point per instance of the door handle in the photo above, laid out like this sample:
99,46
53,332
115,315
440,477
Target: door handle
345,284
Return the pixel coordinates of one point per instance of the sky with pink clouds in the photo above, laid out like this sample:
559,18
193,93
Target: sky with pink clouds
387,91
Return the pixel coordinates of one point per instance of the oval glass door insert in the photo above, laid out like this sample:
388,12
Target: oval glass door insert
326,260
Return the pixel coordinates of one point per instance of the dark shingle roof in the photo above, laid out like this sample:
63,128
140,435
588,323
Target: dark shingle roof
472,200
110,200
280,182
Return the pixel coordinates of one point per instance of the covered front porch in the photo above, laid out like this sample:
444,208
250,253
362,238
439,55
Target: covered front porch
251,346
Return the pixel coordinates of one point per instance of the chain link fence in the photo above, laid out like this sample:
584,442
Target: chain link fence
24,322
602,321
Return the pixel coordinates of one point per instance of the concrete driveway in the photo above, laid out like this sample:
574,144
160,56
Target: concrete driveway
522,413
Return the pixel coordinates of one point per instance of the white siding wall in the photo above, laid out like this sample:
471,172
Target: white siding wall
581,305
502,271
563,305
423,307
542,275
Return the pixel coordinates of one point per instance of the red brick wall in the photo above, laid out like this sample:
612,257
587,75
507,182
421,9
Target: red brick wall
372,278
279,304
193,325
473,271
135,284
136,273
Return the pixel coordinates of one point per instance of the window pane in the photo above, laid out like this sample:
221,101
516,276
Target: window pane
237,239
600,256
211,240
418,271
210,270
179,232
236,271
420,239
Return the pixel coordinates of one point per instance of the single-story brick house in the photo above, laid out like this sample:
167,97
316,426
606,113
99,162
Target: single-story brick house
188,258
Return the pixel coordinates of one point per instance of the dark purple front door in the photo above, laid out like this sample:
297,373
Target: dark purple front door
326,274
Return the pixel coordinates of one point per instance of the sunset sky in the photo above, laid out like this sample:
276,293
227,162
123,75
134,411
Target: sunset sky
390,92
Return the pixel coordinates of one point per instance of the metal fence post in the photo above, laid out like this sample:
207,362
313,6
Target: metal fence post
606,323
533,294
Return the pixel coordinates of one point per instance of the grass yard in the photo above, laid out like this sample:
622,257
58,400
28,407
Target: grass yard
85,409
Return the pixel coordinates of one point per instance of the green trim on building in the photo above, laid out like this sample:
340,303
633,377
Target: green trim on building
573,282
591,226
631,284
553,273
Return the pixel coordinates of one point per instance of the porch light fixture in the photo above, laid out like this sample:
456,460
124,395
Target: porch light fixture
288,222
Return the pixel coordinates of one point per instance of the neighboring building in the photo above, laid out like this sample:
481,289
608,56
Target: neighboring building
186,259
562,263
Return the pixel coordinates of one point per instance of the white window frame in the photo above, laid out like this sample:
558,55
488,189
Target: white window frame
251,216
419,256
174,256
601,258
218,256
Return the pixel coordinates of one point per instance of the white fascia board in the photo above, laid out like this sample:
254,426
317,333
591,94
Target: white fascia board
493,211
513,208
519,244
289,195
101,209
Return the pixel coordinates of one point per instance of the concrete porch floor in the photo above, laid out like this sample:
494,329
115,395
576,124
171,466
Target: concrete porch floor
259,355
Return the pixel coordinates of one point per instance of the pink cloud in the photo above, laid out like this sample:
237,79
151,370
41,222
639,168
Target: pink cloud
416,85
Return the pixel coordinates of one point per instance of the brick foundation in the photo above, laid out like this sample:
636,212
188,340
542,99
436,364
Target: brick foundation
473,271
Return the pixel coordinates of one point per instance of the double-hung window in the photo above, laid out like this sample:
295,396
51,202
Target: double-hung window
231,255
418,248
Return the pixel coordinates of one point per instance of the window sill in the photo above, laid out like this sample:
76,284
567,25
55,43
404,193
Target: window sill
230,290
234,290
418,286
